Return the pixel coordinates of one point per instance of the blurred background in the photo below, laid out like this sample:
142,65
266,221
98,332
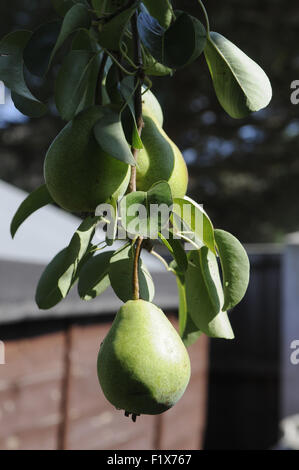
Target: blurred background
246,174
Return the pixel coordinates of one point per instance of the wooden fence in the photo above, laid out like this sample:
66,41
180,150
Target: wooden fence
50,397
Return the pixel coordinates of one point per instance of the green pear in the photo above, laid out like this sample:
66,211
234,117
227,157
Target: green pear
160,159
143,365
78,173
151,103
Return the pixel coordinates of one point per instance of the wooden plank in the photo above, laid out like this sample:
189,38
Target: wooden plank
30,384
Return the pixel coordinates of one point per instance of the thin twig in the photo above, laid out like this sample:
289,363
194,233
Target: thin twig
160,258
206,17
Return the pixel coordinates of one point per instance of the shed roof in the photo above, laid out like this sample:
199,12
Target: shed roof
37,241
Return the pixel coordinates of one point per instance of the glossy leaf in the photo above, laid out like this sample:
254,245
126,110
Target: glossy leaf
113,225
82,41
34,201
140,210
195,221
62,6
39,48
176,250
127,90
177,46
111,32
30,108
77,17
93,277
204,295
60,274
72,81
235,268
121,276
89,97
159,10
184,41
153,66
188,330
110,136
11,69
240,84
55,281
151,33
111,84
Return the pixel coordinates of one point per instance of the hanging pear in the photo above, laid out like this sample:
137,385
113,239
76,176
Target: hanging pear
78,173
160,159
143,365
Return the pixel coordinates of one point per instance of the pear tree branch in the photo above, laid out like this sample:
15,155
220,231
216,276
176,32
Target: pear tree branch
139,78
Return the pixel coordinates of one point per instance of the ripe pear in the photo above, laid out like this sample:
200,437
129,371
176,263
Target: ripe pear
160,159
78,173
143,365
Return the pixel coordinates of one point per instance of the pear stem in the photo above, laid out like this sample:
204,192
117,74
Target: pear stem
138,246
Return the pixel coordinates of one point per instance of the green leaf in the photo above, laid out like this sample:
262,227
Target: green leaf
71,82
93,277
127,88
121,276
61,273
240,84
33,109
99,6
38,50
111,84
146,213
176,250
111,32
152,66
151,33
188,330
184,41
34,201
11,68
204,295
110,136
112,227
55,281
62,6
235,268
177,46
77,17
196,222
82,41
89,96
159,10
